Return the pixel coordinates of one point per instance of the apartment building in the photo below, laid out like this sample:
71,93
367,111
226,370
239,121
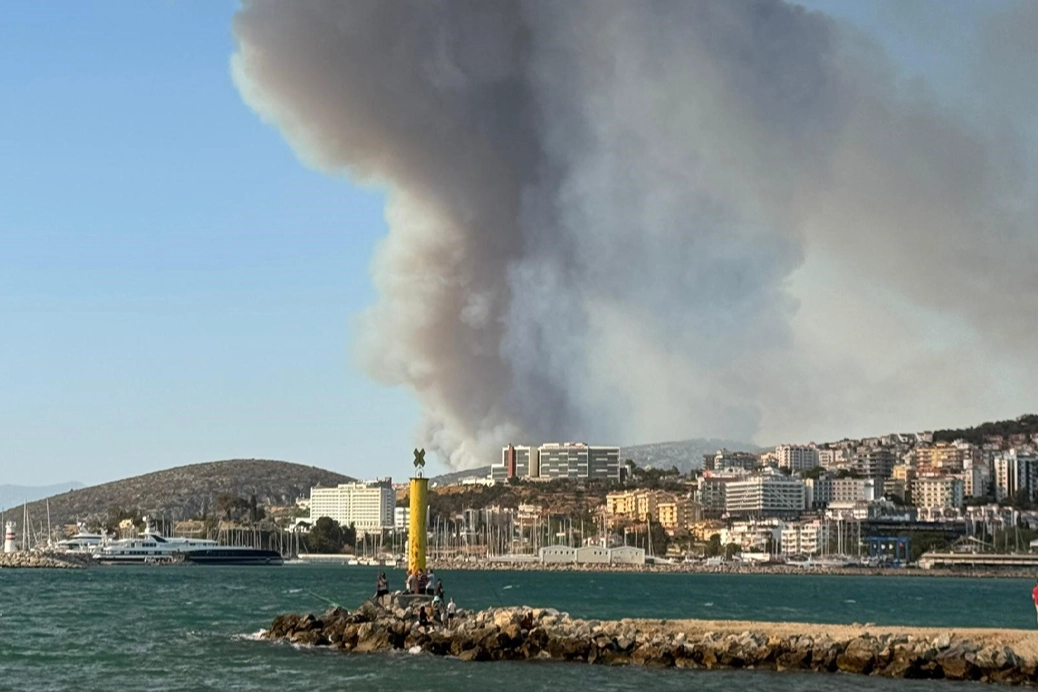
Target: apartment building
874,462
765,496
797,457
943,491
574,460
632,505
672,512
1014,471
809,538
368,505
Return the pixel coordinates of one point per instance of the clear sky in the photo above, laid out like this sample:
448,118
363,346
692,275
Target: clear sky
175,285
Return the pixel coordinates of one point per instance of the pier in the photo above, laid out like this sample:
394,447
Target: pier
523,633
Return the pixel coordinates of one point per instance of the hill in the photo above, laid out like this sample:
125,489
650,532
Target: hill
685,454
187,491
1026,425
14,495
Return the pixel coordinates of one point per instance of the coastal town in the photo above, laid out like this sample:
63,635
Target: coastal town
947,499
881,501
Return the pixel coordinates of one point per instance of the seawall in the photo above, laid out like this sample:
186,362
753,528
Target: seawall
34,560
986,655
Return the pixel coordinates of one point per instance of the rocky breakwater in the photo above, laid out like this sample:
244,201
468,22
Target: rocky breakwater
36,560
1003,656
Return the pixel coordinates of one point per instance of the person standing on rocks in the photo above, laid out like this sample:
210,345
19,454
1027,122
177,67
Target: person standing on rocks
1034,596
420,581
381,588
431,584
451,610
423,618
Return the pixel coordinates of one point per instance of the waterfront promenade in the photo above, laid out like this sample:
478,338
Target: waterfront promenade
737,568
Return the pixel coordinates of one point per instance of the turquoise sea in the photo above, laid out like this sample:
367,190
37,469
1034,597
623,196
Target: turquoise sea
193,628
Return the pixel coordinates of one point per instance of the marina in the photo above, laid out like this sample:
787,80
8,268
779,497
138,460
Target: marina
151,547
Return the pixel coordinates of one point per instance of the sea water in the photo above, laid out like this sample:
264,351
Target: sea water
195,628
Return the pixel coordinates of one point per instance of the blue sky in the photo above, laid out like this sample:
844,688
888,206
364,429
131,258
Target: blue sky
175,286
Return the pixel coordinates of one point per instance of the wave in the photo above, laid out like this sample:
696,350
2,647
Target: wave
253,637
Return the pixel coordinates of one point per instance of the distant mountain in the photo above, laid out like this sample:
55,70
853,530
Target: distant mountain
15,495
459,476
188,491
685,454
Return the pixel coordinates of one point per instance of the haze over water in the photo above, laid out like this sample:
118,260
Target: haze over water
192,628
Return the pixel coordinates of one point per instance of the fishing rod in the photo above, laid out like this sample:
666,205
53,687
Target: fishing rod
327,600
491,585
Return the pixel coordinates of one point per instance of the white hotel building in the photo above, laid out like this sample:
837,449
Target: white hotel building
367,505
766,495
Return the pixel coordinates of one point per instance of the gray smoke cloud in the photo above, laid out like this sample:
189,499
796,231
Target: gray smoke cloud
636,221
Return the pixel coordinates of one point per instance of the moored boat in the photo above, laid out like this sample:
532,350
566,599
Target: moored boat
234,555
153,548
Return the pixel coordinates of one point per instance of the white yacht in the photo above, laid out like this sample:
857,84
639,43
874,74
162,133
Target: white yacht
153,548
83,542
149,547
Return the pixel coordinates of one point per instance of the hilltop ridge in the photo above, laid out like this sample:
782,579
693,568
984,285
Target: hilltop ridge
188,491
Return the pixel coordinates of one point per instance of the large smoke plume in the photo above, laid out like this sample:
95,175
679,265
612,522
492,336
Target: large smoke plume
630,221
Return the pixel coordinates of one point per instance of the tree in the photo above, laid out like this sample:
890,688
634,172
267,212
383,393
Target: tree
731,549
1021,500
713,547
325,536
658,536
814,473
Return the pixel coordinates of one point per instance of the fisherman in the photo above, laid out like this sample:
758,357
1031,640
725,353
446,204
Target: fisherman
381,588
430,587
451,611
1034,595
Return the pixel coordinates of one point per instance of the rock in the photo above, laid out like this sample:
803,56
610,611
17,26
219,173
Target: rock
795,659
504,618
652,656
371,637
568,648
308,637
957,665
513,635
282,626
473,654
858,657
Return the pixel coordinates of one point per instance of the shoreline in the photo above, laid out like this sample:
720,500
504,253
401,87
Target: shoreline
524,633
683,568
